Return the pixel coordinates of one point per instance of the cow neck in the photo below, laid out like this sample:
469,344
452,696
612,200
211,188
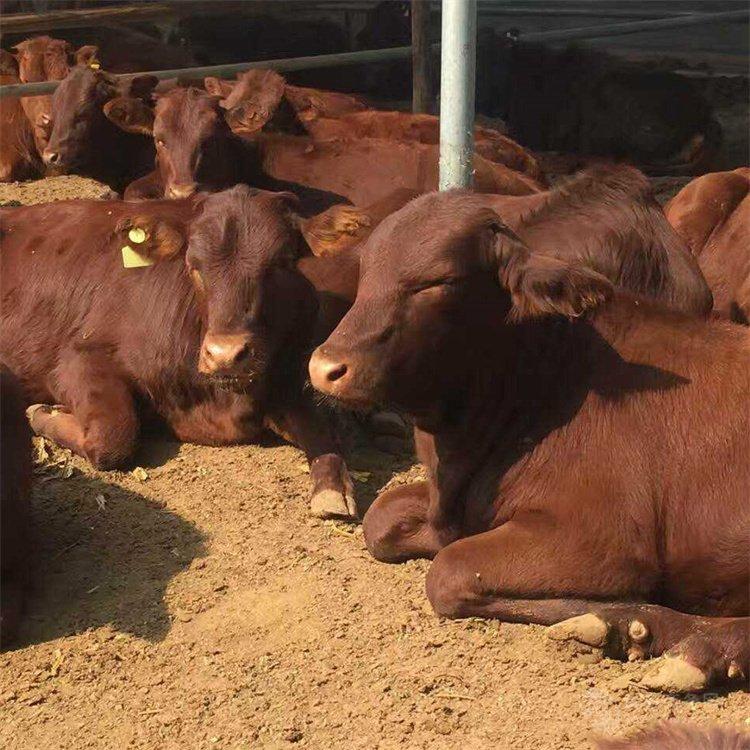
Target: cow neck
530,382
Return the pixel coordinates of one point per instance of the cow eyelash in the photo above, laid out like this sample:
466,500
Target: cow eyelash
434,284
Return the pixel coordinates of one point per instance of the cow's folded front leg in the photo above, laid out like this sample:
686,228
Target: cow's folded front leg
396,526
303,425
696,651
98,419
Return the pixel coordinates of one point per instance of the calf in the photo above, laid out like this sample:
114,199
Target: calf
81,137
196,150
256,101
43,58
211,334
18,158
563,427
15,492
712,215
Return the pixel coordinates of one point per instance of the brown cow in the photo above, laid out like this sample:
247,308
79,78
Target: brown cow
368,170
15,492
43,58
212,337
712,215
82,139
587,451
262,98
671,736
196,150
18,158
256,101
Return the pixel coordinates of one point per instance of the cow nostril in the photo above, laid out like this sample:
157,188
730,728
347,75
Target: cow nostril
51,157
335,372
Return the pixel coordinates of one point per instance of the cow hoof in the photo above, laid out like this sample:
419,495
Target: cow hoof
37,415
674,674
588,629
332,504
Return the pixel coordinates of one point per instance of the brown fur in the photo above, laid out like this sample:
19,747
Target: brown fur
671,736
586,450
15,494
368,170
607,218
212,337
712,215
18,157
43,58
82,140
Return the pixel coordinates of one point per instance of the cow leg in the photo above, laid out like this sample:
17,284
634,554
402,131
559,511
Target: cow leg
502,573
698,651
98,420
396,527
332,489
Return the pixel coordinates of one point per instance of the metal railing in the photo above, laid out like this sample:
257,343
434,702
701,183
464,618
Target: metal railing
399,53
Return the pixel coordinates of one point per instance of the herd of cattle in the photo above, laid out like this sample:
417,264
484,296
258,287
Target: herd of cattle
575,359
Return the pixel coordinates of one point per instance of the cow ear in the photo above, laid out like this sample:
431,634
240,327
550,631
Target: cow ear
218,87
141,87
151,237
336,230
130,114
542,284
88,55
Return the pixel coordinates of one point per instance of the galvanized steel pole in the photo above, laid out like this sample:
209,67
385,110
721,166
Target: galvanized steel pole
457,78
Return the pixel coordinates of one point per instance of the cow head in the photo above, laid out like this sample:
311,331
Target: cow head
193,140
45,59
240,252
77,120
439,281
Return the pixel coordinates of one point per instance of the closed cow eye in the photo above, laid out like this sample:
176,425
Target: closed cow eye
437,284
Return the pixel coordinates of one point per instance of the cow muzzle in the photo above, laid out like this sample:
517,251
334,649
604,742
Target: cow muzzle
336,376
184,190
227,355
52,158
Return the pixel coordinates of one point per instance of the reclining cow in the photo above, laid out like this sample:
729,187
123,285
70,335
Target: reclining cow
197,150
80,138
586,449
212,335
712,215
261,99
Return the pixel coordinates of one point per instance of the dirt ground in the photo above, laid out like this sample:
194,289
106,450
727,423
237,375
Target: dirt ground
192,603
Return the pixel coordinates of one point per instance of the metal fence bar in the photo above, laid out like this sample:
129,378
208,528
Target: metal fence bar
494,8
458,61
398,53
231,69
633,27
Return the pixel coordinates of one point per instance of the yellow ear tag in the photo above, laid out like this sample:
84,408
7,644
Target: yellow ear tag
137,236
133,259
94,65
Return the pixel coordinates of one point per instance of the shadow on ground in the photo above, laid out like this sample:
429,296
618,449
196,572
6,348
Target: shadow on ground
102,555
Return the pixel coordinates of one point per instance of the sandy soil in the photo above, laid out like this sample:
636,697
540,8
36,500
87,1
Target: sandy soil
193,603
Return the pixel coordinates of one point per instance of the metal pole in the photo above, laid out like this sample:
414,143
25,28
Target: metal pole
457,78
420,56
